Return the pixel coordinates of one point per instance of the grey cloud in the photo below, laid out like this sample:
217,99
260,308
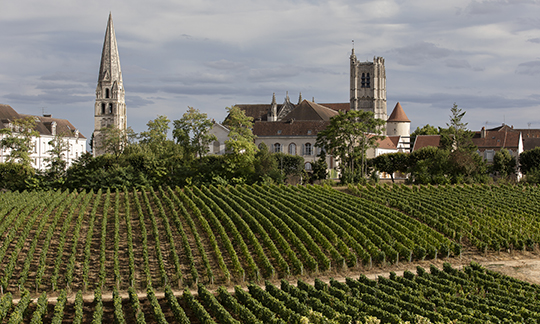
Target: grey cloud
270,74
52,98
458,64
137,102
445,101
418,53
529,68
534,40
225,65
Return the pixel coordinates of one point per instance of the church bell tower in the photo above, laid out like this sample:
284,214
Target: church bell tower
110,106
368,86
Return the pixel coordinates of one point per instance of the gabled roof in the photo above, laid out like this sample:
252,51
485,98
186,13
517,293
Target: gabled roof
43,124
530,143
388,142
257,111
289,128
308,110
398,115
342,106
496,139
422,141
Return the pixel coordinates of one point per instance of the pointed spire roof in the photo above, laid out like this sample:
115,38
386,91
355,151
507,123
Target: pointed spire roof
109,70
398,115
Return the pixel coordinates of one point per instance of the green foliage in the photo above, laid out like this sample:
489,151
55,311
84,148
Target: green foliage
240,146
391,162
16,176
529,161
457,136
192,132
504,163
426,130
18,139
349,136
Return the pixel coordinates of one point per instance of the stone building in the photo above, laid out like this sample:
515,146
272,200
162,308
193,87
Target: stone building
110,105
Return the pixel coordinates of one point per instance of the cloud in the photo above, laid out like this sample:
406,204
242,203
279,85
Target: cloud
534,40
529,68
137,102
458,64
49,98
225,65
419,53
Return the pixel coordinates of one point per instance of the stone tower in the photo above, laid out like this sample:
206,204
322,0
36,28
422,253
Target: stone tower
110,106
368,86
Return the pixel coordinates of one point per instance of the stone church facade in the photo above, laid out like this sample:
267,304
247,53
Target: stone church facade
110,104
292,128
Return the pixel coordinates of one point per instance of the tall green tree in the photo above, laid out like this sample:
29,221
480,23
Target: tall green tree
240,145
19,140
157,131
457,136
115,140
57,164
192,132
529,160
349,136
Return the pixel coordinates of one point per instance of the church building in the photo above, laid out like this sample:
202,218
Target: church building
110,105
292,128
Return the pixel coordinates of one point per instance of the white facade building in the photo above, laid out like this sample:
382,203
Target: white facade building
48,128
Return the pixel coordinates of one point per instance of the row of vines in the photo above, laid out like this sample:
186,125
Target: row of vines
52,241
448,295
489,217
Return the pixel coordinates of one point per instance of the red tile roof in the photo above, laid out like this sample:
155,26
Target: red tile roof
288,128
398,115
308,110
422,141
496,140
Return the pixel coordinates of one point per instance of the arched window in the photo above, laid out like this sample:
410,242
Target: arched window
308,149
292,149
103,109
277,148
367,81
308,166
110,108
106,92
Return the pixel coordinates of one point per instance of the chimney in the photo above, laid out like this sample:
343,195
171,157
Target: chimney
483,132
47,115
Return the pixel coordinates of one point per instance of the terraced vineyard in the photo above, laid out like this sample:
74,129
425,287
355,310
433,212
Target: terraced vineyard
59,243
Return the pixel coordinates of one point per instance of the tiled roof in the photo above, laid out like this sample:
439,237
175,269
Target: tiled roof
43,124
496,140
422,141
530,143
308,110
257,111
289,128
388,142
398,115
342,106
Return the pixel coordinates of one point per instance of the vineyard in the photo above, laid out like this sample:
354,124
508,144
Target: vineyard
62,243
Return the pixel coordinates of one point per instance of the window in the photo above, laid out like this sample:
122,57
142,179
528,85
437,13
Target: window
103,109
365,80
292,149
110,108
308,149
277,148
308,166
107,93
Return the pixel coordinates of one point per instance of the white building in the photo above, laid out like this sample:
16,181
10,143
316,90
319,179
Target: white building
48,128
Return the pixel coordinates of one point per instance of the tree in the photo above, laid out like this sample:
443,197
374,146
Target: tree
504,163
426,130
349,135
240,146
192,132
114,140
529,160
57,163
457,136
391,163
157,131
18,139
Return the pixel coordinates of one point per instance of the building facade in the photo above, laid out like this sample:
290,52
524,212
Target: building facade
110,104
48,128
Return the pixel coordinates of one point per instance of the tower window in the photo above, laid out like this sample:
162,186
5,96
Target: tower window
363,84
110,109
107,93
103,109
368,81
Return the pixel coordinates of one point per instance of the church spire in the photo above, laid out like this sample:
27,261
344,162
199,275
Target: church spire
110,106
109,69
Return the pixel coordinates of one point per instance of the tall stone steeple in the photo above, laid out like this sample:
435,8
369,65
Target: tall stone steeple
110,106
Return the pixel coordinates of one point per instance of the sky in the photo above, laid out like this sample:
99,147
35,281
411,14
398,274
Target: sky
211,54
